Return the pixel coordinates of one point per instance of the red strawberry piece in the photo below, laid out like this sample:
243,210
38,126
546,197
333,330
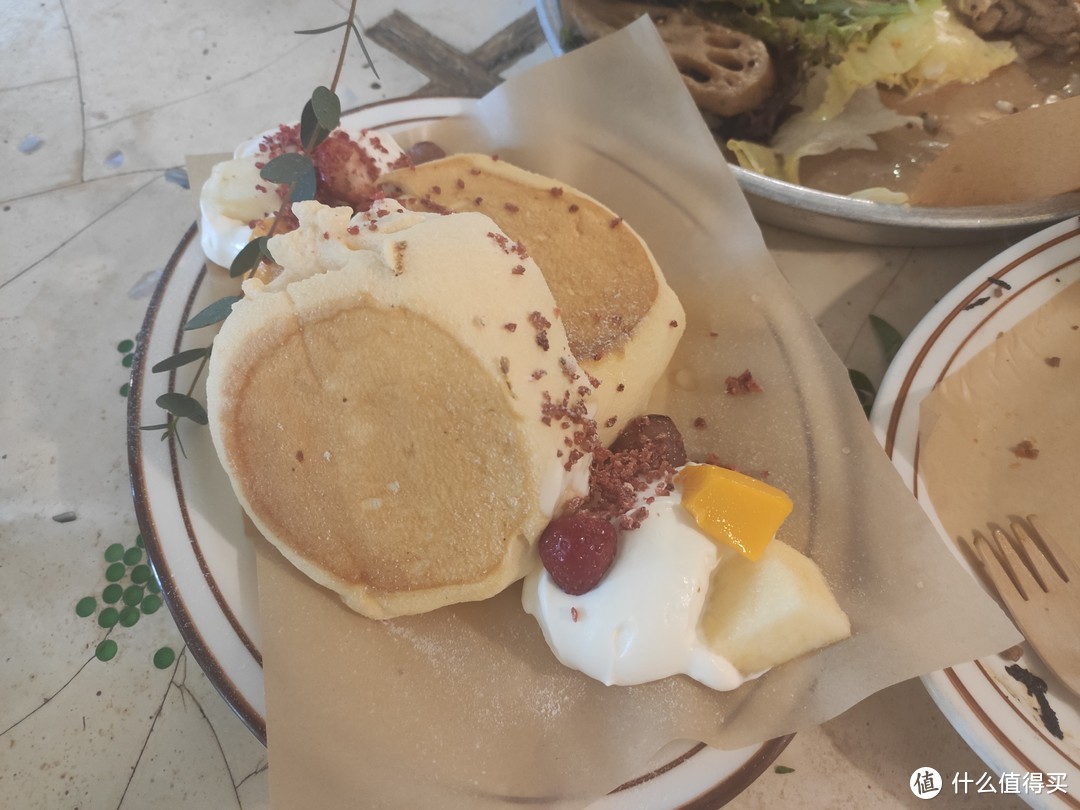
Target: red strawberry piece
577,551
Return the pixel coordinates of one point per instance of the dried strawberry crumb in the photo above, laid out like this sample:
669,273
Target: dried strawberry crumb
620,387
743,384
436,189
474,171
673,324
541,325
510,327
460,183
536,375
573,614
513,209
556,191
611,422
518,270
699,422
615,223
353,229
574,208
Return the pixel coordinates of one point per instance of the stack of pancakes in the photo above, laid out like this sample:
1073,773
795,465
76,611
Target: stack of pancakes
406,405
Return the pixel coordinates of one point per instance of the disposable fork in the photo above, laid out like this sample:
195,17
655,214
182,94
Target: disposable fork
1040,586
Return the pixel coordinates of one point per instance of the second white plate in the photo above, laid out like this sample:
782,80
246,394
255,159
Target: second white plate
986,705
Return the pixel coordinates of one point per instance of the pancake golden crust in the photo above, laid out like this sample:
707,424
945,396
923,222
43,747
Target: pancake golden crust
559,227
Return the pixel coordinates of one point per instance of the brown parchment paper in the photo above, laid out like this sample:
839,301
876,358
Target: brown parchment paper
466,707
1023,387
1029,155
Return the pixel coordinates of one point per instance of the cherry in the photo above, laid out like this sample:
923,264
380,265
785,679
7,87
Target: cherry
655,431
577,551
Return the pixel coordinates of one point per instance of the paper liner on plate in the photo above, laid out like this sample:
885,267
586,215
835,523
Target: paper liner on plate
1028,155
466,707
999,436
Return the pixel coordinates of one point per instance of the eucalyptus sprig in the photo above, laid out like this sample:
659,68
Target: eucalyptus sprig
295,173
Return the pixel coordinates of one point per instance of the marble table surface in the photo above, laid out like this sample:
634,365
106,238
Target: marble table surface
99,104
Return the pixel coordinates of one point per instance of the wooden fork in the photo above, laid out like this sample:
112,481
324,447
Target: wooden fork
1040,586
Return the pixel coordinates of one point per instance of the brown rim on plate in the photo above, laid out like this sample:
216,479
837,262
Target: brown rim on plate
713,797
956,679
148,526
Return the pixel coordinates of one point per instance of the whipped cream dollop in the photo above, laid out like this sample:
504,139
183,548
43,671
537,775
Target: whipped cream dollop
640,623
235,195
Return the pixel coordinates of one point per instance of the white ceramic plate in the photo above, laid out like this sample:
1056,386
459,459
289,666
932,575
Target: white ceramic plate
989,708
193,527
840,217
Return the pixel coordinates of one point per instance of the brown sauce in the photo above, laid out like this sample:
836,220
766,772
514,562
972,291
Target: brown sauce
948,112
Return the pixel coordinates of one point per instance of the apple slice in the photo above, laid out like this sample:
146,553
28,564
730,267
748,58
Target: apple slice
759,614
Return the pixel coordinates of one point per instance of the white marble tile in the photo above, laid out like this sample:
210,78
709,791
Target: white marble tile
35,226
35,44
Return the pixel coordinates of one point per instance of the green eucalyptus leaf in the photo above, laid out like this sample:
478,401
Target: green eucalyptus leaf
311,134
294,169
250,255
183,406
214,313
889,339
181,359
246,260
363,48
327,107
305,186
286,168
864,388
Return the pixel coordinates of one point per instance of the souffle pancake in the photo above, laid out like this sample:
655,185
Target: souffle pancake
621,317
400,408
397,410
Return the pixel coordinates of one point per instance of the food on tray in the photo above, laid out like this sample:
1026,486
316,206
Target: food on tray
414,407
674,596
399,410
622,319
235,202
728,72
866,93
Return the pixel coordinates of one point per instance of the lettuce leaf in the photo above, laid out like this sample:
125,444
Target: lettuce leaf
840,105
807,133
928,48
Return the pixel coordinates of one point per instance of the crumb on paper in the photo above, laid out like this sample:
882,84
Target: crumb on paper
1025,449
743,384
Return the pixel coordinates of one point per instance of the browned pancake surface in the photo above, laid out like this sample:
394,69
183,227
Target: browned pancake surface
334,444
598,269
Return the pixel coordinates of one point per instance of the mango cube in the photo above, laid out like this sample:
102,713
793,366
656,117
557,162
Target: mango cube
733,508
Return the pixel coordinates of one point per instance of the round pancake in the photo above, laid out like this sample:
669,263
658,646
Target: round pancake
380,423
